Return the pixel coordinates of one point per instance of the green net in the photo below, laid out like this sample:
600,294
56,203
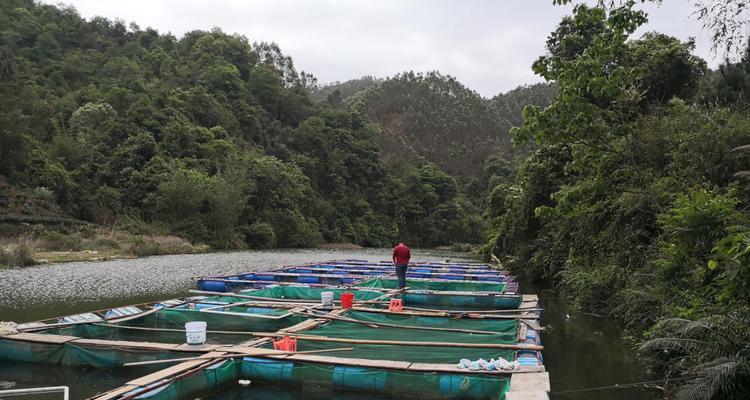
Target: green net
456,286
412,298
176,318
416,354
466,302
115,332
311,293
479,324
242,319
72,354
401,384
344,329
423,354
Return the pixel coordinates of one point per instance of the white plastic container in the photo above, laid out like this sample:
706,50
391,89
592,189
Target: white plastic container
195,332
326,298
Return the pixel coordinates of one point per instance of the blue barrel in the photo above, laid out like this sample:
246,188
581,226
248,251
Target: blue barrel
413,275
348,281
200,306
356,378
451,277
302,271
249,277
212,286
339,273
423,270
265,277
260,310
489,278
233,278
308,279
412,298
266,370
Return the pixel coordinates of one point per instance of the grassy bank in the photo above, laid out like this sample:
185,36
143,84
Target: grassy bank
35,245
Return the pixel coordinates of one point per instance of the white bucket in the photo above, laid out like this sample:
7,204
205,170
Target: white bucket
195,332
326,298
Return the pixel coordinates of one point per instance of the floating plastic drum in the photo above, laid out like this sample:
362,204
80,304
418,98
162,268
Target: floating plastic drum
249,277
212,286
195,332
355,378
347,281
265,278
326,298
308,279
347,299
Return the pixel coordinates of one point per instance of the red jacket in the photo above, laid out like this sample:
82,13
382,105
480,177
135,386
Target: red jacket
401,254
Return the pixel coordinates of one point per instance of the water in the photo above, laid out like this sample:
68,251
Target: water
580,351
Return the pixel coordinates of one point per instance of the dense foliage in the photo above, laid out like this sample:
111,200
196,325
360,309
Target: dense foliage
208,136
434,116
630,201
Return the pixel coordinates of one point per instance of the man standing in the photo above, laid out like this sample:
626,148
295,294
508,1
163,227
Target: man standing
401,257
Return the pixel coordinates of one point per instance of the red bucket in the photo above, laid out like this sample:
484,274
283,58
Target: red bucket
347,299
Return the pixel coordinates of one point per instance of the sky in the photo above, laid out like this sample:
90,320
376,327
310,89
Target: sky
489,45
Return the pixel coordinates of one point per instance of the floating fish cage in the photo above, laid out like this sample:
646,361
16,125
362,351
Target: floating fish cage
439,338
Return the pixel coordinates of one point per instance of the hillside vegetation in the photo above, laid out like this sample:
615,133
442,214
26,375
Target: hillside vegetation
216,139
435,116
632,198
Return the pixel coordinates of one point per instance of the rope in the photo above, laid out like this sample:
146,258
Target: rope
610,387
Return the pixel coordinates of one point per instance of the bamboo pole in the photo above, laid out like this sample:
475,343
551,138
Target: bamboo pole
411,327
236,355
317,338
110,320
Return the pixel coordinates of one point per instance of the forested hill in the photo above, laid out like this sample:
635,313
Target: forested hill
436,117
215,138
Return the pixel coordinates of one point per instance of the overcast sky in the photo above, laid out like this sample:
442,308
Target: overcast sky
489,45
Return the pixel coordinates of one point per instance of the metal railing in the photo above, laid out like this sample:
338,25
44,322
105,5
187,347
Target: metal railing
40,390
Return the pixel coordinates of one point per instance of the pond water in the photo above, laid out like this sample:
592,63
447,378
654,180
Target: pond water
580,351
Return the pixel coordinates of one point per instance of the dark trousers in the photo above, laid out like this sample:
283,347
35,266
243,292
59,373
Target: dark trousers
401,273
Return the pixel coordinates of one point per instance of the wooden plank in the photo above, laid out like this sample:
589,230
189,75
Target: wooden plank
125,344
167,372
530,382
451,368
249,351
115,393
317,338
41,338
385,364
522,330
526,396
201,347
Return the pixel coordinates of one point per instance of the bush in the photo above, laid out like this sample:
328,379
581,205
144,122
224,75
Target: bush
19,254
142,247
260,235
